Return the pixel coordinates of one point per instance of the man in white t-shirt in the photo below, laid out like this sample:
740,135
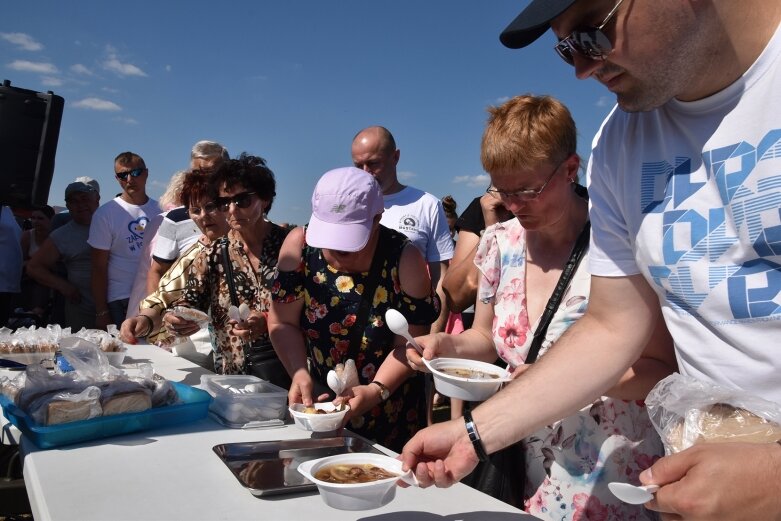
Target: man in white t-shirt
685,186
415,213
116,236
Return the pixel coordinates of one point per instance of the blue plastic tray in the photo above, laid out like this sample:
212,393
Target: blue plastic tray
194,406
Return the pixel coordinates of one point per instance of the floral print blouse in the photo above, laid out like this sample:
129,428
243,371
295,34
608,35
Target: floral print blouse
207,288
331,300
568,463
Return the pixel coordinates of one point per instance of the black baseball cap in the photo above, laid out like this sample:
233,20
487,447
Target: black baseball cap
532,22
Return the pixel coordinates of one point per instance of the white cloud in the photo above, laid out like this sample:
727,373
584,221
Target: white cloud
605,101
502,100
36,67
127,121
167,68
406,176
23,41
123,69
51,81
78,68
97,104
480,180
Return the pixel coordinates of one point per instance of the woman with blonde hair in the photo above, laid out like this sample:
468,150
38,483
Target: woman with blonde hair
534,283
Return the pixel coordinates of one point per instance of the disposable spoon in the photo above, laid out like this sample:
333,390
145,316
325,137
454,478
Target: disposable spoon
398,324
333,382
634,495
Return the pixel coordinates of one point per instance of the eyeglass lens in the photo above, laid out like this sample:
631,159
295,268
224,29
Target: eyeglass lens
242,200
589,42
524,195
133,173
207,208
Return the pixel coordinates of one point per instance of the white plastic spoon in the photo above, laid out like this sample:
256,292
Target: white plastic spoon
410,478
398,324
634,495
334,382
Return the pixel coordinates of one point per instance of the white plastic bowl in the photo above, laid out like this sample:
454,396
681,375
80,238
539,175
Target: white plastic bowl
116,358
358,496
318,422
469,389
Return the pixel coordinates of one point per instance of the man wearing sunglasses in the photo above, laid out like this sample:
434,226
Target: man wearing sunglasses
685,217
116,236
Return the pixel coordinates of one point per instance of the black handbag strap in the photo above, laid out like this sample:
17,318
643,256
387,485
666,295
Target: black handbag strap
228,267
555,299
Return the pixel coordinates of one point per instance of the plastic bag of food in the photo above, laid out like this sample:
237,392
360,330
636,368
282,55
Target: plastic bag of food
686,411
163,392
27,340
39,388
108,341
66,406
86,358
10,387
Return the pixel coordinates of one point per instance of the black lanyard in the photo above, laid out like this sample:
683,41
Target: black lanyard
555,299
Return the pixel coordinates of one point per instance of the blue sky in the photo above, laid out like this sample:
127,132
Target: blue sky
289,81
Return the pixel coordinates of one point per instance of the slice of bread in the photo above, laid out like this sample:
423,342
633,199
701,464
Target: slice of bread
127,402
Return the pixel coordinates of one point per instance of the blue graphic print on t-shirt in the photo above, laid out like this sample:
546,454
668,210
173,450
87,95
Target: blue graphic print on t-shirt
737,236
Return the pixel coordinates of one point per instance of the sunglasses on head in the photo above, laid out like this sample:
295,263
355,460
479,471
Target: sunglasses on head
589,42
132,173
241,200
210,208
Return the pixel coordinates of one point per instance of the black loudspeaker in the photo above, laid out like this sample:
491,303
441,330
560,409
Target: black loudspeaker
29,131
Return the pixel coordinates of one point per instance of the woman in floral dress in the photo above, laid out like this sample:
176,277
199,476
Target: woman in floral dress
246,189
324,270
531,142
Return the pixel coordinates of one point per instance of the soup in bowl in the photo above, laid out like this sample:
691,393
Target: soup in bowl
469,380
357,481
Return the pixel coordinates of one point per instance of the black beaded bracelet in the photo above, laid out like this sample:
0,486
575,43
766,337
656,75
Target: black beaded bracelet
474,437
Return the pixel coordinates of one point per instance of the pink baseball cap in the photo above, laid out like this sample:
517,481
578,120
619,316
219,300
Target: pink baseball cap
344,204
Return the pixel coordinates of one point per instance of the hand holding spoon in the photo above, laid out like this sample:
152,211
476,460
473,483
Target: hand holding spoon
398,324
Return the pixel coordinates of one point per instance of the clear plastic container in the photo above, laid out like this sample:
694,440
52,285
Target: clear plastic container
240,400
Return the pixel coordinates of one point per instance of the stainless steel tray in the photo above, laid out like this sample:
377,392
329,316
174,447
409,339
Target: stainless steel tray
270,467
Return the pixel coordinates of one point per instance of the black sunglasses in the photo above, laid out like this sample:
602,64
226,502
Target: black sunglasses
241,200
210,208
132,173
589,42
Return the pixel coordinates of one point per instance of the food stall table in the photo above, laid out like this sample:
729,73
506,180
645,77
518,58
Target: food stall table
173,473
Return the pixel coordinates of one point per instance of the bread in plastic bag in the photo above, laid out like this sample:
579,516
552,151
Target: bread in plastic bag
686,411
94,388
63,406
